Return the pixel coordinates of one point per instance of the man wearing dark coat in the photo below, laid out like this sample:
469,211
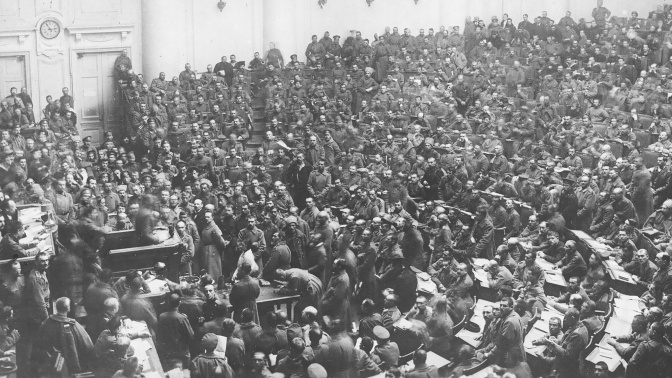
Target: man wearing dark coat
297,243
508,351
338,356
568,205
336,299
138,308
568,350
174,333
60,333
244,293
209,250
280,258
412,246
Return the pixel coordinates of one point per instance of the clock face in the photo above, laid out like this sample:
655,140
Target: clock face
50,29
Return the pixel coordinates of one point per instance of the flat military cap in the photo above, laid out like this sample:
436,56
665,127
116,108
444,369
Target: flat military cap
381,333
316,371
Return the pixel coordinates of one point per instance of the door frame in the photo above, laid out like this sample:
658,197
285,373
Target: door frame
28,84
74,52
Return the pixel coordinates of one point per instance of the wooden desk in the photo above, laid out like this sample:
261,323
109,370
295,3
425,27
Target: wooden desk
474,338
540,330
124,259
555,281
618,278
268,296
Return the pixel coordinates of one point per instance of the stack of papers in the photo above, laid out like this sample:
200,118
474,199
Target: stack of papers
140,348
30,214
131,326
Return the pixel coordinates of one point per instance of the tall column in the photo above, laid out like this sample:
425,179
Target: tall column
164,37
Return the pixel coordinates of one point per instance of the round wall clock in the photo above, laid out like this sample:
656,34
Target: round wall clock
50,29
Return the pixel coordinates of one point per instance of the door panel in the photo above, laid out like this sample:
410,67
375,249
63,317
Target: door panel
97,99
12,74
90,105
111,101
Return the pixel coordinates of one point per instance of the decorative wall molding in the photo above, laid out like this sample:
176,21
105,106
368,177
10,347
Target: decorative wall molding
99,33
20,34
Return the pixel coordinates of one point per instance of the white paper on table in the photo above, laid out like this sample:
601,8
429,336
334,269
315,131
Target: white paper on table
472,338
432,359
481,276
479,262
44,245
555,277
618,327
131,326
480,304
156,285
624,276
545,265
534,334
541,325
140,347
627,304
151,374
608,356
625,314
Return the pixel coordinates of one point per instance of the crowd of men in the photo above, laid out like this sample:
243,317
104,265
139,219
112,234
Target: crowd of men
380,164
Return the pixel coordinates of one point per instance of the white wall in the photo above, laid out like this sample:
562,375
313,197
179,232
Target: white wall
292,32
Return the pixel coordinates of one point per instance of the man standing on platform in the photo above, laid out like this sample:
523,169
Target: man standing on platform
381,53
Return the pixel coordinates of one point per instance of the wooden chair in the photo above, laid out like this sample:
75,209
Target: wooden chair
403,359
458,327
